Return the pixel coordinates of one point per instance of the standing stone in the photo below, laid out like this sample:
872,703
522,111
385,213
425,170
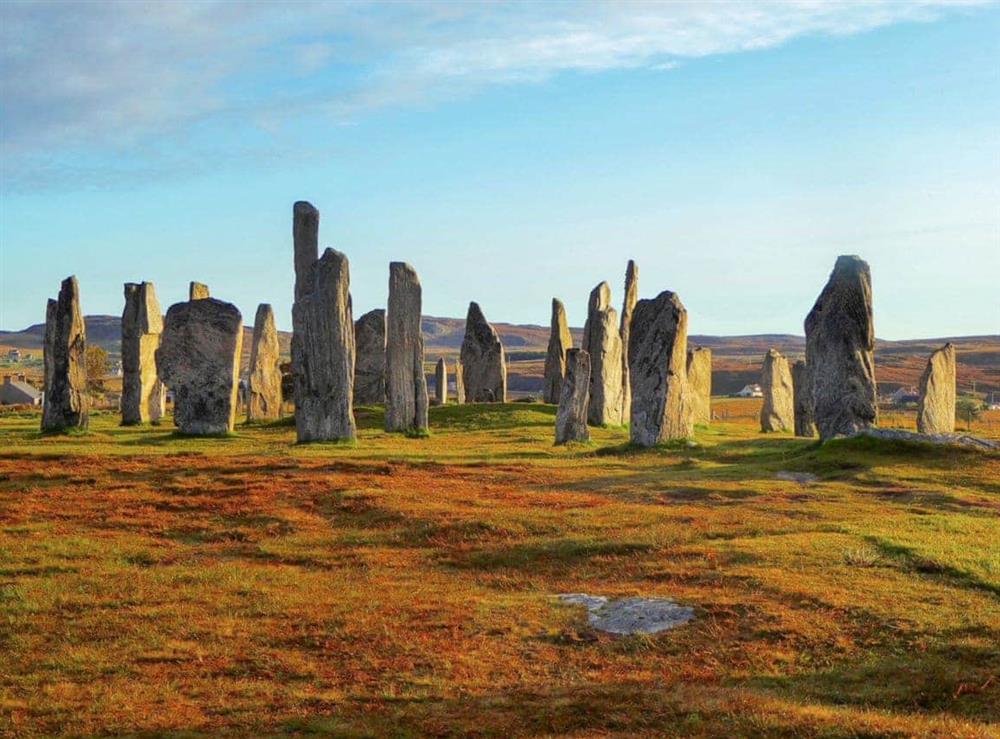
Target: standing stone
778,411
264,382
142,323
574,397
840,343
801,387
483,360
661,409
405,384
628,307
65,358
560,341
369,364
199,359
441,382
459,383
603,342
699,374
936,412
324,372
198,291
305,240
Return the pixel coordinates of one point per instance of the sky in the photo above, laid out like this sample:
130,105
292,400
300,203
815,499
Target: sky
511,152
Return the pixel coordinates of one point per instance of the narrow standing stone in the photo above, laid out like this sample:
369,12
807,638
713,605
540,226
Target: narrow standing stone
778,411
305,242
369,365
801,387
628,307
661,408
143,396
936,412
64,355
574,397
198,291
406,386
483,360
560,341
199,359
699,373
602,341
264,383
840,344
459,383
441,382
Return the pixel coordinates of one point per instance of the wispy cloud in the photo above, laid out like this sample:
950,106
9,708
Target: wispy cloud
80,80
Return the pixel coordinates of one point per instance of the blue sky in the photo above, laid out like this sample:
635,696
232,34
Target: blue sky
510,153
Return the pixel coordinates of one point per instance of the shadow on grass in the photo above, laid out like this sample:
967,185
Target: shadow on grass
558,554
912,561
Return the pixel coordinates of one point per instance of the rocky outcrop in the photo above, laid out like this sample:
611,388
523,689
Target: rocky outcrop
628,307
143,396
936,411
560,342
801,389
661,408
778,410
64,355
484,362
406,386
324,363
369,364
264,382
441,382
699,374
198,291
602,341
199,360
459,383
574,397
840,340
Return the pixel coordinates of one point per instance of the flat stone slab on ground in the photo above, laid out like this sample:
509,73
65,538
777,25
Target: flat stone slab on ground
630,615
803,478
956,439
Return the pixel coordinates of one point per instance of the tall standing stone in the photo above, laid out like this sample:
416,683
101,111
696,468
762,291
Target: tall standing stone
64,355
778,411
305,247
801,389
143,396
369,364
441,382
661,408
324,373
602,341
699,374
406,386
936,412
560,341
483,360
198,291
264,383
199,359
574,397
459,383
628,307
840,344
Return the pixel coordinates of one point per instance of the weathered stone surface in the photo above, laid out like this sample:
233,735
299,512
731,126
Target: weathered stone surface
324,368
699,374
802,387
143,396
406,386
955,439
840,341
305,241
936,412
628,307
778,411
199,359
441,382
603,342
483,360
264,382
64,353
560,342
369,364
661,408
574,397
198,291
630,615
459,383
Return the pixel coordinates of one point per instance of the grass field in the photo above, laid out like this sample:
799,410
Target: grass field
151,583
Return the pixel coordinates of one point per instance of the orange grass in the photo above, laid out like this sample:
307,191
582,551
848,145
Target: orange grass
151,583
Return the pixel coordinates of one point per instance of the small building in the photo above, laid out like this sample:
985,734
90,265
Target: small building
14,355
750,391
15,391
905,395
